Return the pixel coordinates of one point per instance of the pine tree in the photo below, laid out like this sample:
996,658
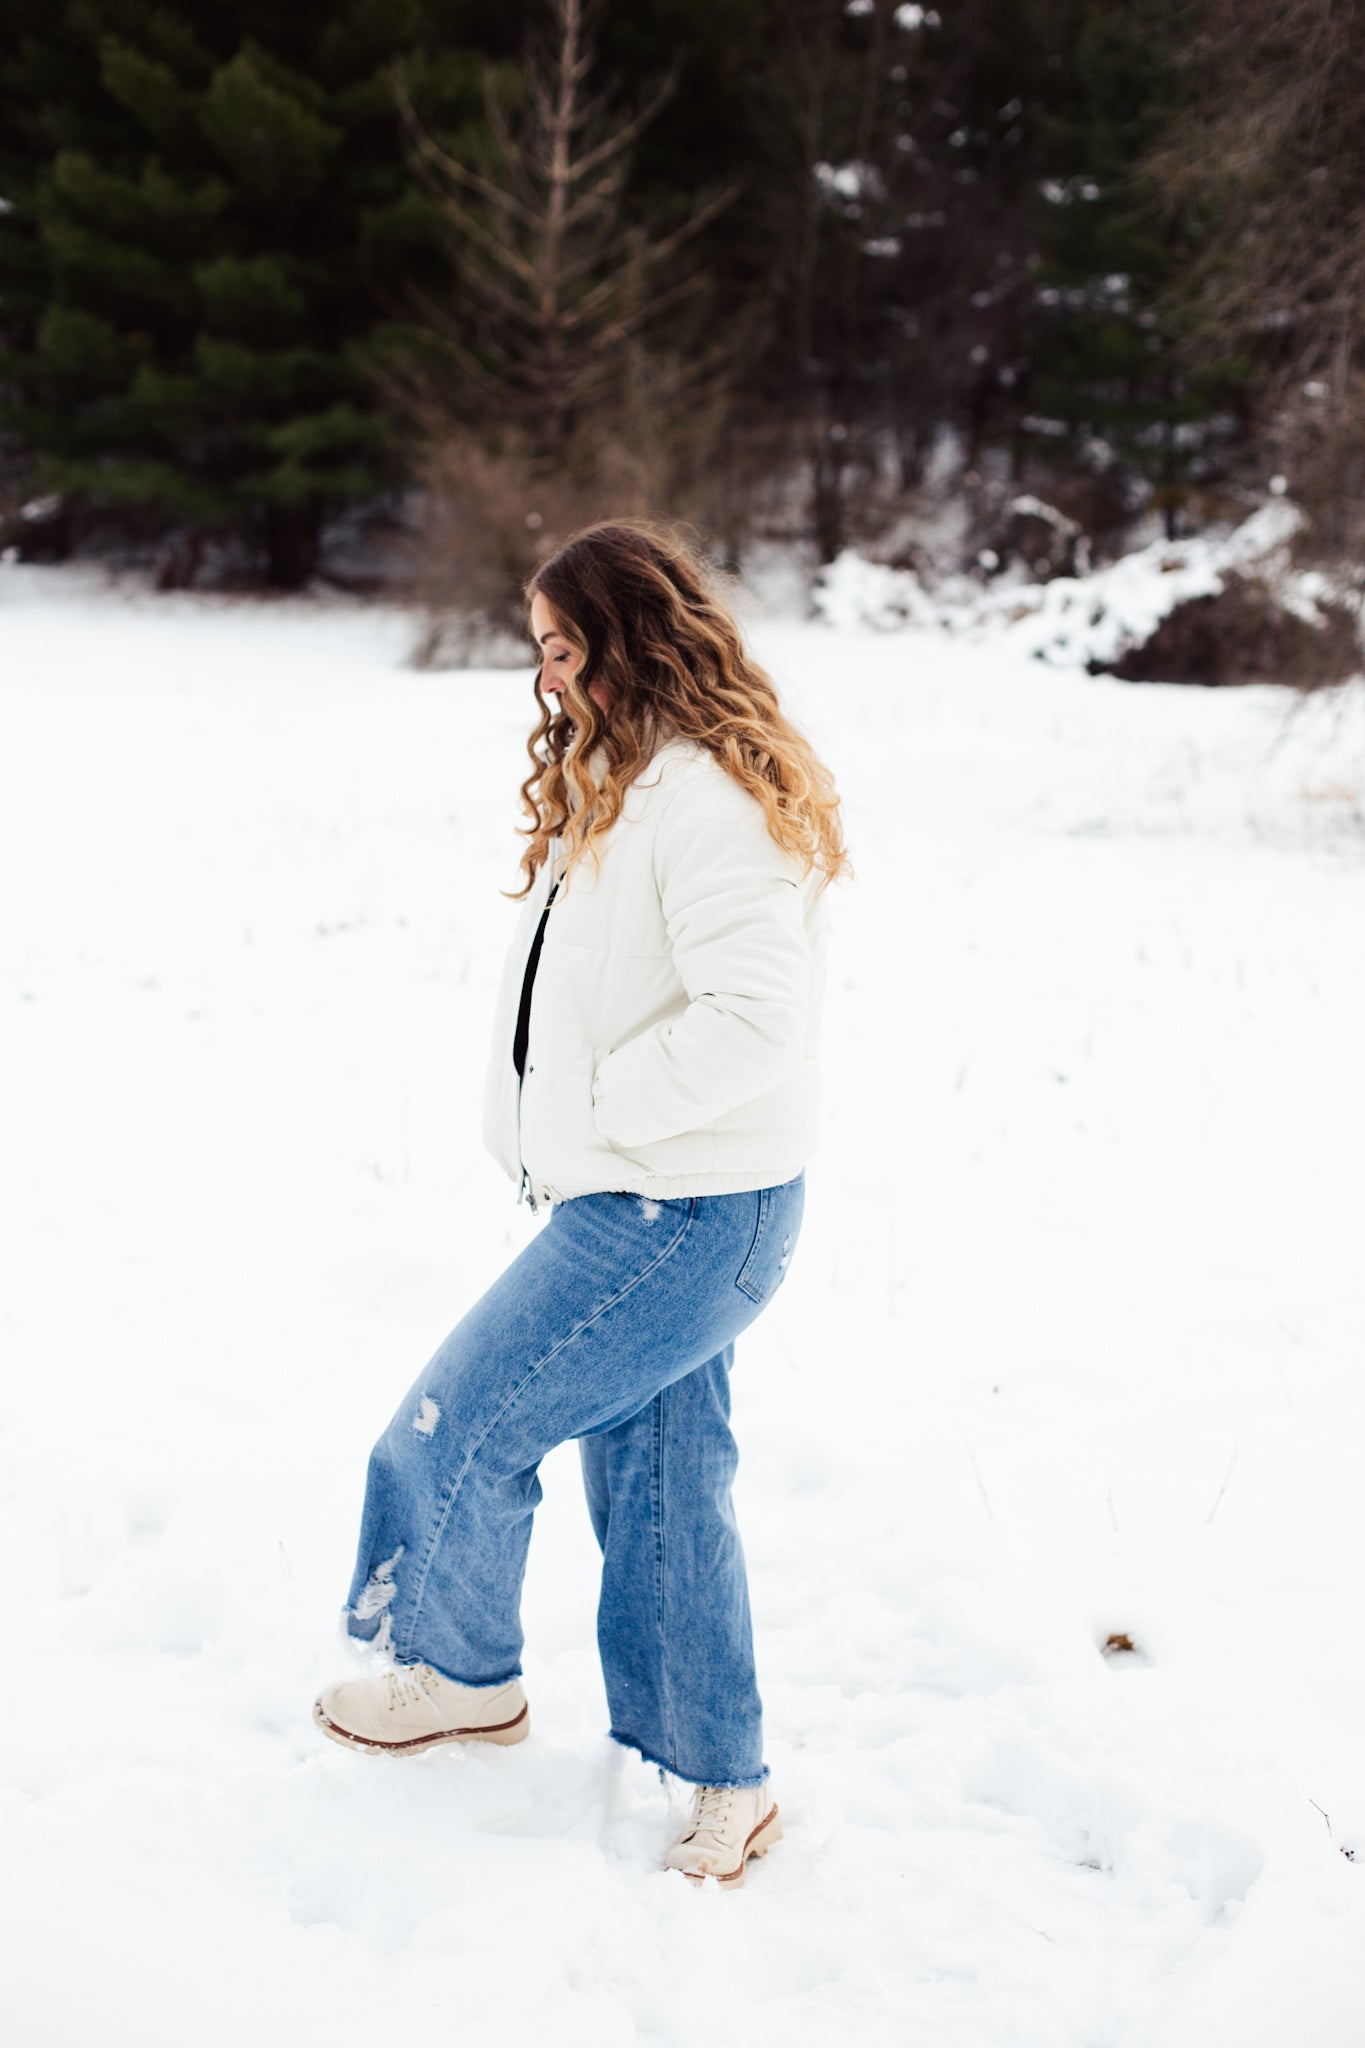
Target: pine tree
902,152
963,239
1113,363
50,93
568,373
554,281
211,244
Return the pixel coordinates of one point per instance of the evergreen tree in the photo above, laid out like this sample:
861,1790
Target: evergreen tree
903,151
1113,362
214,253
211,233
556,284
570,373
50,94
963,238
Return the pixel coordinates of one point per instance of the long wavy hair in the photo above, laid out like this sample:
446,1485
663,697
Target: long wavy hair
635,600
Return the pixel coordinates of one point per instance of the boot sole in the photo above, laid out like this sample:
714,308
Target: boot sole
764,1837
505,1733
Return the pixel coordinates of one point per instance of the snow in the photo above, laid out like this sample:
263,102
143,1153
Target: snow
1073,619
1069,1349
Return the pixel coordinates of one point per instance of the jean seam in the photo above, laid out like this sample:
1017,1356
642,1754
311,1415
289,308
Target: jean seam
434,1541
764,1210
656,1502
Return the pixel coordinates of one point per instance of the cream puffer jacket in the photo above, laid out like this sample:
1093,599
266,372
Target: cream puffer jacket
676,1006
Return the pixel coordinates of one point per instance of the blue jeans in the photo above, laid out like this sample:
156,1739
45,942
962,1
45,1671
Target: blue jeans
616,1325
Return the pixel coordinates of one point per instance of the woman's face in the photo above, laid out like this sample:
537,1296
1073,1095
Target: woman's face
560,659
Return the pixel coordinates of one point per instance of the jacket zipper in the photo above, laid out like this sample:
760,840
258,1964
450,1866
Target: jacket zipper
526,1192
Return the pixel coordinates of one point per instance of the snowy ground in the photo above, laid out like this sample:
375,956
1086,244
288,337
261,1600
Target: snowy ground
1072,1346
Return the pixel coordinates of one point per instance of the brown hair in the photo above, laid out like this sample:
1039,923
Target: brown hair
634,599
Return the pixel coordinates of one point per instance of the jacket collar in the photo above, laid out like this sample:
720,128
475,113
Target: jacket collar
595,762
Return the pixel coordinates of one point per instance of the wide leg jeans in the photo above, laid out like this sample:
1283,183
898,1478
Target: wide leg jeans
615,1326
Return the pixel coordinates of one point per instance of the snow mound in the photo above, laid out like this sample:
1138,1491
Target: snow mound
1073,620
853,592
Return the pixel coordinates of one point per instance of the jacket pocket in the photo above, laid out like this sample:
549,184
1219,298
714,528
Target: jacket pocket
683,1152
559,1141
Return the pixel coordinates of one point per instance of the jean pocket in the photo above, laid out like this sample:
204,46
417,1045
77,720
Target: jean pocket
766,1264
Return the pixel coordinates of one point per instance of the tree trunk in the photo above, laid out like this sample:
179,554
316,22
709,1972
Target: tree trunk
292,535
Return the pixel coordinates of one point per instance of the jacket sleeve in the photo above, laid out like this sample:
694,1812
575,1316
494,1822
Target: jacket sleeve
735,912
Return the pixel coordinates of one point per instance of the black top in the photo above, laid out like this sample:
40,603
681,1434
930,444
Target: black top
523,1031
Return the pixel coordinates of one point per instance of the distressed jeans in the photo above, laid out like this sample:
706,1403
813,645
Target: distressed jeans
615,1326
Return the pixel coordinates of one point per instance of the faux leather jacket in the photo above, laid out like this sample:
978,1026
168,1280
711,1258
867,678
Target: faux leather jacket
677,1002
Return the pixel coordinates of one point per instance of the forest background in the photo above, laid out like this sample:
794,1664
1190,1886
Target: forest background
390,293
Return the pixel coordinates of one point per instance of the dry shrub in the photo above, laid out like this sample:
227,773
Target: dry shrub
1082,518
492,506
1101,504
1034,534
1243,634
485,519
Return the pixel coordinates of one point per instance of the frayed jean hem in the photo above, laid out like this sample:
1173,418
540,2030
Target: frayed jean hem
371,1642
672,1770
472,1684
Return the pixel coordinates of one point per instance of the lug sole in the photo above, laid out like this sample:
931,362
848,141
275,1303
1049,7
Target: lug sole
504,1733
764,1837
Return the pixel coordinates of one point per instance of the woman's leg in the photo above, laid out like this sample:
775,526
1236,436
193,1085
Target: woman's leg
616,1298
673,1624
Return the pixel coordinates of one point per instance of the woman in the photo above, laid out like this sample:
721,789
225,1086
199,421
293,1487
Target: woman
661,1095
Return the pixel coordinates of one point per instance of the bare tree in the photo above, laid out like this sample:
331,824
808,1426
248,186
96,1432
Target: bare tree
1270,155
555,281
574,375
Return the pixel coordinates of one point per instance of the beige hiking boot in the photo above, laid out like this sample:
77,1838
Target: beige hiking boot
404,1711
729,1824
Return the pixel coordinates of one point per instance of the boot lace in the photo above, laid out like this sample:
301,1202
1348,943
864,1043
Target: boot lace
407,1687
710,1808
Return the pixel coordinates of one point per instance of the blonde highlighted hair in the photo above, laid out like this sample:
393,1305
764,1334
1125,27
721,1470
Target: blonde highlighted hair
635,601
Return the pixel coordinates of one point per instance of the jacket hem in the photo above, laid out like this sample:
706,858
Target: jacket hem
666,1187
